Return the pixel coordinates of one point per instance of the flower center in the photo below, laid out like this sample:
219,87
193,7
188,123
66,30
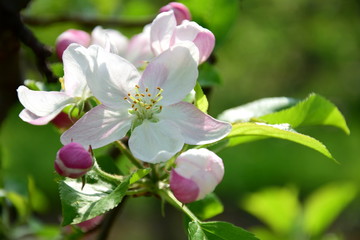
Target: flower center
144,104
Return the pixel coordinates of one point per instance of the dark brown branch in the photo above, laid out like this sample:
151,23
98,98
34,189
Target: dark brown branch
86,21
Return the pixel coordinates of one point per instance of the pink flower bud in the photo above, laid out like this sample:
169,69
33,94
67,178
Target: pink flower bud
73,160
62,121
71,36
90,224
197,173
181,12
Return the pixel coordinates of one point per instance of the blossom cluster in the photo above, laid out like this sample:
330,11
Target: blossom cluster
135,89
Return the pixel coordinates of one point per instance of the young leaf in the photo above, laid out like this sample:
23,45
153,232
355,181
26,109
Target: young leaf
206,208
323,206
139,174
282,131
80,204
201,101
314,110
217,231
255,109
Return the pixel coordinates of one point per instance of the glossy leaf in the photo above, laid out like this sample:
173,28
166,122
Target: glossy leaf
314,110
256,131
217,231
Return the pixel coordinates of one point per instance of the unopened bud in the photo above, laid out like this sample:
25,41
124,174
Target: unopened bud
197,173
62,121
73,160
90,224
181,12
71,36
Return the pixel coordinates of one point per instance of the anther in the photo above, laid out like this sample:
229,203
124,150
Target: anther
137,86
146,89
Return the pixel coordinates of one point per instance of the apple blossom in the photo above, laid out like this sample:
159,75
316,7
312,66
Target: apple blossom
118,42
73,160
181,12
43,106
165,34
149,105
197,173
71,36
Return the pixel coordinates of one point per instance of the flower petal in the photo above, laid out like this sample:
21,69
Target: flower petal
77,66
161,32
196,127
42,103
155,142
33,119
201,37
175,71
99,127
118,42
113,78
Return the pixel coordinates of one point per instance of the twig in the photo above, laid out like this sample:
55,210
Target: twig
86,21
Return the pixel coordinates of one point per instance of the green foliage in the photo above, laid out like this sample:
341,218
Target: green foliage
256,131
200,99
217,231
206,208
314,110
216,15
324,205
208,75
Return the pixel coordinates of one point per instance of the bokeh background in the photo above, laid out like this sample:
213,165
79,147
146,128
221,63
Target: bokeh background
264,49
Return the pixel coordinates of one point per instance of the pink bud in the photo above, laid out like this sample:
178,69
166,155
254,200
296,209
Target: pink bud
181,12
197,173
73,160
71,36
90,224
62,121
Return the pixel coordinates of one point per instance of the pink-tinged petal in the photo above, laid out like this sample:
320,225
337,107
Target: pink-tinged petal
99,127
196,127
71,36
113,78
161,32
33,119
118,42
201,37
175,71
203,167
155,142
139,50
181,12
42,103
184,189
78,64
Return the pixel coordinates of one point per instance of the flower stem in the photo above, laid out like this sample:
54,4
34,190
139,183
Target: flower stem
128,154
107,176
168,196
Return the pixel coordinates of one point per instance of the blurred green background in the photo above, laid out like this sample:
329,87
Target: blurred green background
264,49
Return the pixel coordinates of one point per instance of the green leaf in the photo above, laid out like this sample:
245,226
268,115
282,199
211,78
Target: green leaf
94,199
283,131
255,109
201,101
139,174
216,15
20,203
314,110
324,205
208,75
206,208
217,231
277,207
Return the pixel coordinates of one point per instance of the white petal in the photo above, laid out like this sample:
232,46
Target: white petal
42,103
155,142
161,32
201,37
33,119
196,127
77,67
175,71
118,42
98,127
113,78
